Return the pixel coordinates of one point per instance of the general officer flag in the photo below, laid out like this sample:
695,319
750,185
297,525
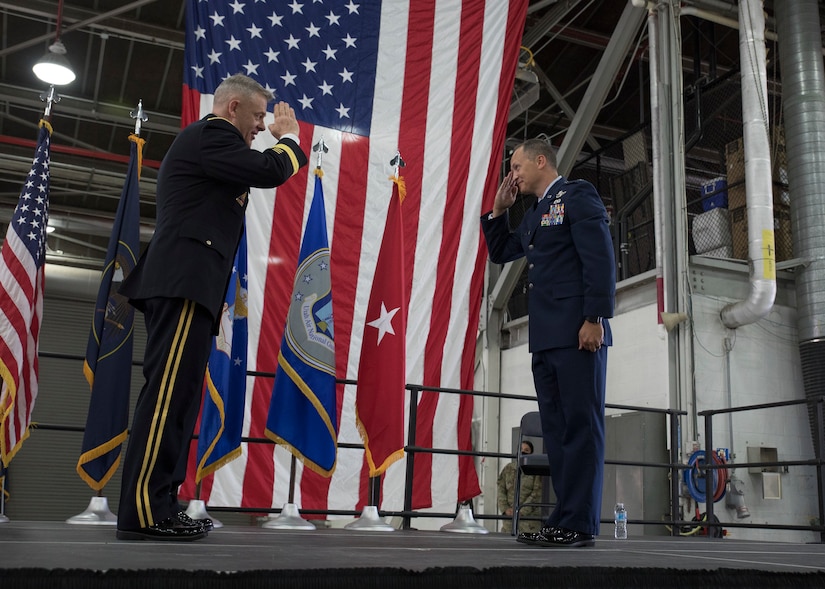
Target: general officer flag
379,398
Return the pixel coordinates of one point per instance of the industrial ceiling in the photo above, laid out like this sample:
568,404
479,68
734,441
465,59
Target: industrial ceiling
125,52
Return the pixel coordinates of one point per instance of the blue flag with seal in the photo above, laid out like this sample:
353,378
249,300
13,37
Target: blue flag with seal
108,364
219,439
303,413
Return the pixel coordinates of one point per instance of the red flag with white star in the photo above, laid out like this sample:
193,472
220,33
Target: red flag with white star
379,397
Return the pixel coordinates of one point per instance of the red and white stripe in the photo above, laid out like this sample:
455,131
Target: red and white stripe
443,86
21,310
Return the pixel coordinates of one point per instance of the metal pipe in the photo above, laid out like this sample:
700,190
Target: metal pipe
761,245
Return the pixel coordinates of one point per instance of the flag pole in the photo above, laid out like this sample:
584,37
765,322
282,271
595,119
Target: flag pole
320,148
139,115
375,482
370,519
50,97
290,518
3,517
398,163
98,512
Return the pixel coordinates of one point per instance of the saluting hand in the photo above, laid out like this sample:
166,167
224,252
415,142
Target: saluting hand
285,121
506,195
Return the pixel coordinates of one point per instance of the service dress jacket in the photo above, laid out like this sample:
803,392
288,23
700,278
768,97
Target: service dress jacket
202,195
571,266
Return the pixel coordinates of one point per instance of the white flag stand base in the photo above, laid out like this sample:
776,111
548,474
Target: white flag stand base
3,518
370,522
97,514
288,519
465,523
197,510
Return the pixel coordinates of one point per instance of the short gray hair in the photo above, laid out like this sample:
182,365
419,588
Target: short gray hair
535,147
240,85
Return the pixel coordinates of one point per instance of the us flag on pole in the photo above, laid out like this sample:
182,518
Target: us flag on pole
431,79
21,300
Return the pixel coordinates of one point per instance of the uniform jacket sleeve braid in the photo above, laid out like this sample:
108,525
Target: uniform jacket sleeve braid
226,157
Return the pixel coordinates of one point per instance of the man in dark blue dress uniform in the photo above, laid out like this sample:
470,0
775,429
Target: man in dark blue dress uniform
179,284
571,289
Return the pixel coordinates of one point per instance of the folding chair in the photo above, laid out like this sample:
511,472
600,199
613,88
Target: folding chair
536,464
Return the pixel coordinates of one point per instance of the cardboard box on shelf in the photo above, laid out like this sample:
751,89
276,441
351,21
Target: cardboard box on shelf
735,161
782,236
737,198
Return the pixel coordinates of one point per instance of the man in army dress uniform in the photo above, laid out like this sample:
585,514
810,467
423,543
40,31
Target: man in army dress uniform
179,284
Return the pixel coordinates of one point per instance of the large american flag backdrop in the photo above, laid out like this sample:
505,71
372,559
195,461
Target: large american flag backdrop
431,79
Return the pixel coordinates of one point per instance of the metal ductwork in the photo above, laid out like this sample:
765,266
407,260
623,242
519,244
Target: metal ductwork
761,247
803,103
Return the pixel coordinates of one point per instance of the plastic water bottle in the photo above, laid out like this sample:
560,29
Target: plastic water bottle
620,519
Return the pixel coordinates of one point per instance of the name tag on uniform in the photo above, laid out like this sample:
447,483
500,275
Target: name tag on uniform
555,216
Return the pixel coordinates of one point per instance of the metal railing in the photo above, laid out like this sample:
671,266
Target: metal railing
817,463
674,466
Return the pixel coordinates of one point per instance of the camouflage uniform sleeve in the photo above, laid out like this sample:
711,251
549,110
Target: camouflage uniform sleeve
506,479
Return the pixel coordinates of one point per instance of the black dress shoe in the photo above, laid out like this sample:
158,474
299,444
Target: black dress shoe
205,522
172,528
536,538
558,538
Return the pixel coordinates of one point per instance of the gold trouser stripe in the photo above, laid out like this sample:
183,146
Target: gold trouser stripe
283,148
164,399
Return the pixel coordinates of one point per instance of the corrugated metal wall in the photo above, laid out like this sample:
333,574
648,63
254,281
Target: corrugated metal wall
42,480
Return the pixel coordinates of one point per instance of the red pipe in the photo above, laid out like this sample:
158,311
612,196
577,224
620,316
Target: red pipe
98,155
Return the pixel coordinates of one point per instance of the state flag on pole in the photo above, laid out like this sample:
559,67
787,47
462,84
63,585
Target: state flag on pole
22,278
108,364
380,392
303,413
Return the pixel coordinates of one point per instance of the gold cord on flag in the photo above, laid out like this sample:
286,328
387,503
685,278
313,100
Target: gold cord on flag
139,141
402,187
45,123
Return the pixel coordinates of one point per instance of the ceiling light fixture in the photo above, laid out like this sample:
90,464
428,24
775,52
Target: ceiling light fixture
54,67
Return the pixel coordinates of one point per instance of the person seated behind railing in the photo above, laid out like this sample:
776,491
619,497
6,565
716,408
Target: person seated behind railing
530,492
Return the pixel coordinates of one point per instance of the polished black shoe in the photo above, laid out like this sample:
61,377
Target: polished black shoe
205,522
172,528
536,538
558,538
